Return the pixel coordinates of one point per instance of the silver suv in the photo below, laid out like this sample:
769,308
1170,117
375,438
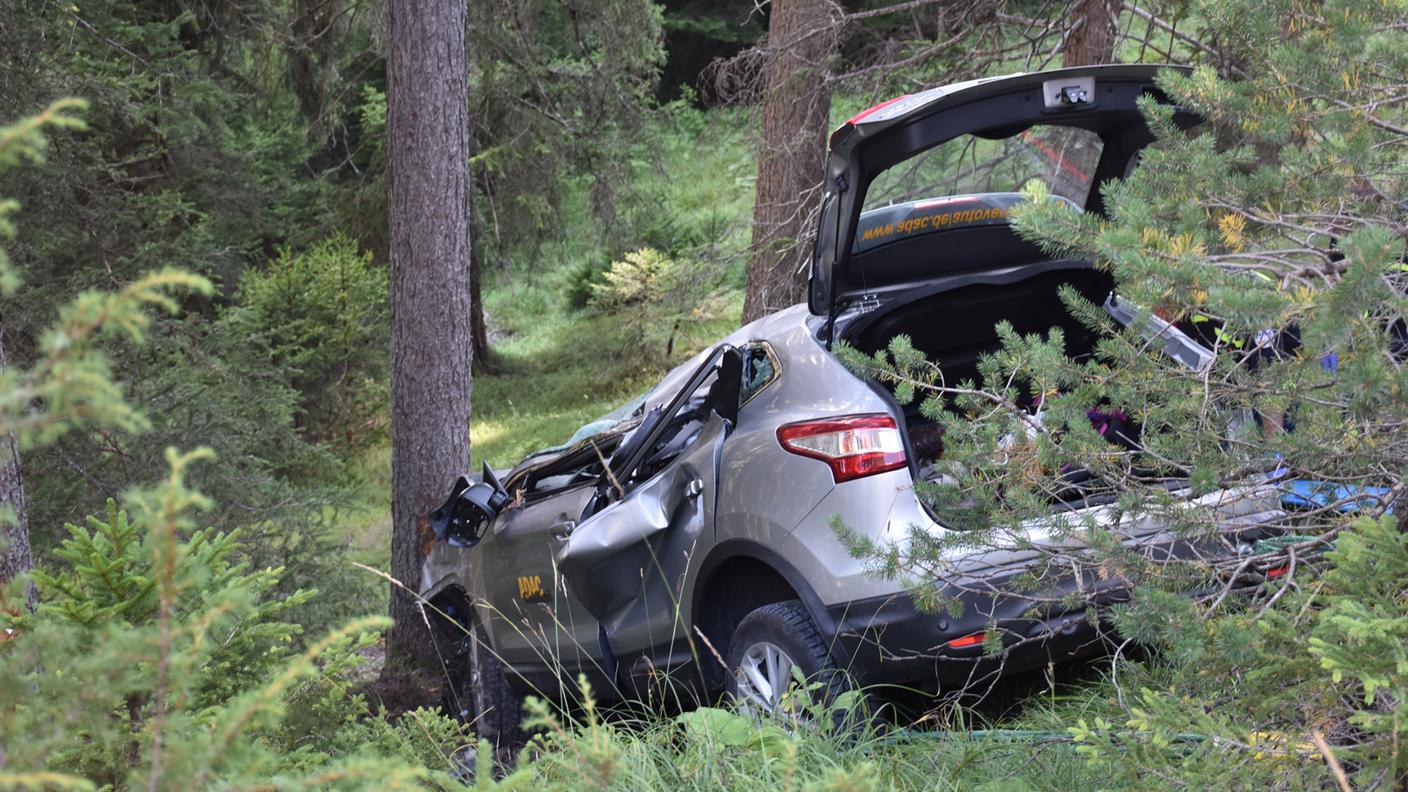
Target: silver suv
688,539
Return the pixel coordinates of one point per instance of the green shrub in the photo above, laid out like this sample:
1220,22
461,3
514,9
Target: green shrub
323,313
588,275
654,295
202,381
1361,639
157,660
644,277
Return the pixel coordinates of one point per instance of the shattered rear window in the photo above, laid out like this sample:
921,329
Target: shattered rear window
1063,157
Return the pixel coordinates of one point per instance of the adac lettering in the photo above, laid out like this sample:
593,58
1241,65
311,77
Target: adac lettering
932,222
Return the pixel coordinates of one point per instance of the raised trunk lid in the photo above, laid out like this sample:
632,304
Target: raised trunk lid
1101,100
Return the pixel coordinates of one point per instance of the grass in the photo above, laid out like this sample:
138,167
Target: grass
1038,746
715,749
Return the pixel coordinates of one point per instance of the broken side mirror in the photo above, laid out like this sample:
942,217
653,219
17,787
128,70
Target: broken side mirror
464,517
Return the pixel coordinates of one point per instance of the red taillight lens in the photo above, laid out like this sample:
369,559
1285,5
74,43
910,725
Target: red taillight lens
968,640
854,446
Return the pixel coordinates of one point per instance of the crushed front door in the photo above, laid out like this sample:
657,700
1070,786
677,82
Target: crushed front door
628,561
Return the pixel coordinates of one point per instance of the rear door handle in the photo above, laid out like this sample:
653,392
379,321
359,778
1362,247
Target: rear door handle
694,488
560,531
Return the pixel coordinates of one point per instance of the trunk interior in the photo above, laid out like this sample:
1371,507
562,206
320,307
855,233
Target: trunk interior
954,328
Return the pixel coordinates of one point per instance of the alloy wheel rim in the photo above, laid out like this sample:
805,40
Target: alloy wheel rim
764,678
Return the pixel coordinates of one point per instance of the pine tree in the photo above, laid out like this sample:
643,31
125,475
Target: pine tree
1276,233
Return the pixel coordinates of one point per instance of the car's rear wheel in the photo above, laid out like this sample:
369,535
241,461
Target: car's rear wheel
771,649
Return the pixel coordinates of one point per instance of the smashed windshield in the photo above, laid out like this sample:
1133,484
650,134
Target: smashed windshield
599,425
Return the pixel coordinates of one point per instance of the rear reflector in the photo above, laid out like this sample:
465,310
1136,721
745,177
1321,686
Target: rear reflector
853,446
968,640
1276,572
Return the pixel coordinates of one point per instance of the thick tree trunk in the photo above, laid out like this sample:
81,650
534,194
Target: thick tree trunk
801,40
428,145
1093,26
15,557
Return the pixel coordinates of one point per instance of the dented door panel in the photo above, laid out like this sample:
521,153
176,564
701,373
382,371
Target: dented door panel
628,564
532,618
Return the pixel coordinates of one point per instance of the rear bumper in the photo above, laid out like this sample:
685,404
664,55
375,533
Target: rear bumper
1033,620
889,640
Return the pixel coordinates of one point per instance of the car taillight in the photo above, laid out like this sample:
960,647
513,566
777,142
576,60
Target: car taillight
854,445
968,640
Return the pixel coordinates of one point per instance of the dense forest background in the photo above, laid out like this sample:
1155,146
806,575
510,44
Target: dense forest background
616,152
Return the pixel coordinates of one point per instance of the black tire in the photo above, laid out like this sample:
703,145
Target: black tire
788,627
497,712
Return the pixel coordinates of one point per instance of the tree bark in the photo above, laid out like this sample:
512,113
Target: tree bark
1093,28
791,156
15,556
428,168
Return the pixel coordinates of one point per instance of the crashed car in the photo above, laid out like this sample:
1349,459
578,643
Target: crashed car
689,537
